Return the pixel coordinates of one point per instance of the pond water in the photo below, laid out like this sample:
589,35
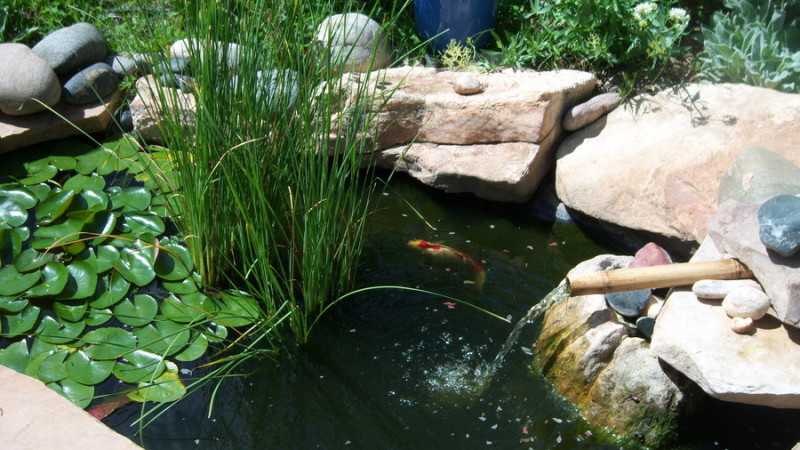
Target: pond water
399,369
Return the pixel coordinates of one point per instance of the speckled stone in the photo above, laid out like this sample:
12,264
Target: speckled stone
25,78
73,47
779,224
90,84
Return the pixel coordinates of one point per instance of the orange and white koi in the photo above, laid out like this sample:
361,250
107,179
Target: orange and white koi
447,254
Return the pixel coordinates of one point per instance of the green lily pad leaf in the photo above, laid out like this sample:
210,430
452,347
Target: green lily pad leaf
33,364
52,367
79,183
139,366
135,266
70,311
15,283
110,289
54,279
106,255
173,262
135,198
11,243
185,286
19,194
12,214
40,346
168,387
30,259
165,338
58,234
21,322
85,370
15,356
239,309
39,176
94,200
55,332
79,394
96,317
41,190
101,160
54,206
100,224
138,312
109,343
143,223
12,304
214,332
81,283
196,349
183,311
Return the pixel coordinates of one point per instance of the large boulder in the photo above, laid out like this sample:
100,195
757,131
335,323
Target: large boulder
496,144
694,336
27,84
615,380
654,165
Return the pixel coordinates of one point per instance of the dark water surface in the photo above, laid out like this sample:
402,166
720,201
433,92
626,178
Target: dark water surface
397,369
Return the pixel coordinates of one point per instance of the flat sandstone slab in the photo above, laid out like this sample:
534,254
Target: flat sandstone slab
22,131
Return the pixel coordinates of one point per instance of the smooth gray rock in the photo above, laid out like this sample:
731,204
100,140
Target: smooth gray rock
779,224
718,289
355,42
90,84
628,303
72,47
25,78
122,65
581,115
645,325
757,175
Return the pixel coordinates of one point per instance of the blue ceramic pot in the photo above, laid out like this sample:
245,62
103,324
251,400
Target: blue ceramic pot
457,19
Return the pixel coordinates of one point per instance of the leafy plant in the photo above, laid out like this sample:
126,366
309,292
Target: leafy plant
756,43
457,56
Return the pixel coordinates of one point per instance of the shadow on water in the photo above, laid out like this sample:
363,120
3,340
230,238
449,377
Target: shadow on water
394,369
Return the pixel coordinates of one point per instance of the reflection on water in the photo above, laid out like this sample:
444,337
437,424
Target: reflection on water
398,369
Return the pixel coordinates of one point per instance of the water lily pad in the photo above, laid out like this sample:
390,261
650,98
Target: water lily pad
135,266
173,263
135,198
81,283
110,289
42,174
58,233
214,332
15,283
139,366
101,160
12,214
96,317
168,387
88,371
137,312
31,259
15,356
106,255
19,194
100,224
143,223
52,367
79,394
12,304
93,200
184,286
72,311
33,364
165,338
55,332
109,343
182,311
80,183
239,309
196,348
54,279
21,322
54,206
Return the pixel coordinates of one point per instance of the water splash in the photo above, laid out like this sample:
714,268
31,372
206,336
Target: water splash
556,295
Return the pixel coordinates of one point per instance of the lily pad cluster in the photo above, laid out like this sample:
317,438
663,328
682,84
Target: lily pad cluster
93,283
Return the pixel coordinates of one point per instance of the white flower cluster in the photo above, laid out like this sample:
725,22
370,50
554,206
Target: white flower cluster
642,10
679,17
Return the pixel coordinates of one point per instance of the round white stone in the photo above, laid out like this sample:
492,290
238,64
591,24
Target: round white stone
746,302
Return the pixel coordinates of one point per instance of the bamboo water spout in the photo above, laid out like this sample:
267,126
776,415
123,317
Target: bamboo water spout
651,277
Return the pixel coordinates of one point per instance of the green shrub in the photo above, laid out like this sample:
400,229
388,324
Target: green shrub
756,43
592,34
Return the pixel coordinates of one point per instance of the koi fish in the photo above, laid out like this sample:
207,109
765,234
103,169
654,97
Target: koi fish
447,254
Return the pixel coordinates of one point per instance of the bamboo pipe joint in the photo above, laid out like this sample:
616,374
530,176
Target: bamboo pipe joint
653,277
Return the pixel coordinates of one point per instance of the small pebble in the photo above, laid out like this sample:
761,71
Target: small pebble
467,85
653,307
746,302
718,289
743,325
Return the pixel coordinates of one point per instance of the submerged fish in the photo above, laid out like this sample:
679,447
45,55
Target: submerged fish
447,254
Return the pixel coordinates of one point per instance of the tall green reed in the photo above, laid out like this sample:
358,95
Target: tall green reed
266,202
